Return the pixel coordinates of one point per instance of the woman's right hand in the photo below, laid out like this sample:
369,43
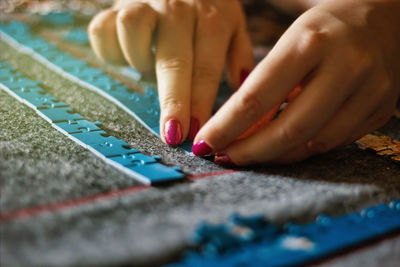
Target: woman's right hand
193,39
344,54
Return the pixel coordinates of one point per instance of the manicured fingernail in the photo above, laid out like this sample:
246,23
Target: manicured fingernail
172,132
223,160
201,149
194,128
243,76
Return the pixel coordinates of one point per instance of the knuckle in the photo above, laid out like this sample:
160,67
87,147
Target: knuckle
171,104
362,58
250,105
127,16
174,65
100,23
204,73
312,38
133,15
95,27
289,134
179,7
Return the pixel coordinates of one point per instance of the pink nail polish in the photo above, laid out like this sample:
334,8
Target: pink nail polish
194,128
243,76
201,149
223,160
172,132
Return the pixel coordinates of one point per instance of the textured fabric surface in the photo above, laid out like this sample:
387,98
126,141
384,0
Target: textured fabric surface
39,166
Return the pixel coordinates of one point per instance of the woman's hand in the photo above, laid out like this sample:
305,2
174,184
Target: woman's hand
193,39
345,55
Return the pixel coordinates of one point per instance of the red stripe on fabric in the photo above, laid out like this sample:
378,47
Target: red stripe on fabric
205,175
33,211
25,213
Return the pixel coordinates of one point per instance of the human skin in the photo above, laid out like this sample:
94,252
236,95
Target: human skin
342,53
194,41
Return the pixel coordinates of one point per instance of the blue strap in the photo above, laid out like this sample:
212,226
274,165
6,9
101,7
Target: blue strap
253,241
144,107
114,151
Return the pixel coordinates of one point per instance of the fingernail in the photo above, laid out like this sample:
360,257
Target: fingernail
194,128
223,160
243,76
172,132
201,149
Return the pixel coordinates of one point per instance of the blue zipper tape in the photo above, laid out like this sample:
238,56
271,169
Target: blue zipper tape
144,107
88,134
253,241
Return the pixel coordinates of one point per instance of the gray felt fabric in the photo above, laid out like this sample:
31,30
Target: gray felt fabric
39,165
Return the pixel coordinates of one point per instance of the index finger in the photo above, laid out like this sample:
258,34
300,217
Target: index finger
174,60
268,85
